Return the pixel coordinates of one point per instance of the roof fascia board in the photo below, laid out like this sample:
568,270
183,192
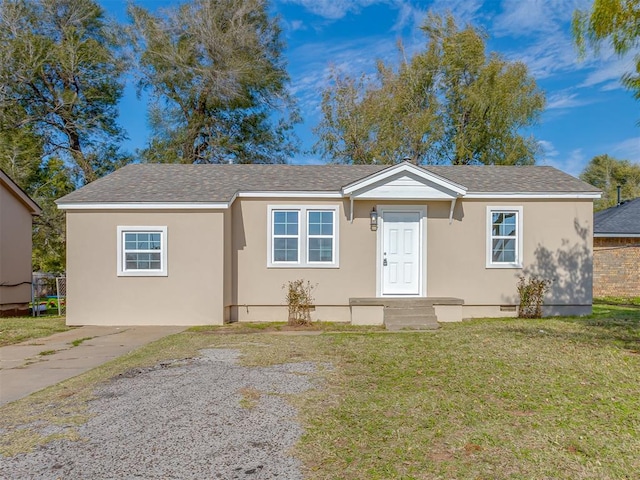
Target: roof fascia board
144,206
20,194
576,195
616,235
403,167
272,194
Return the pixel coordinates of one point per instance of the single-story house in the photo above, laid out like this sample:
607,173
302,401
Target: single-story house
616,250
16,215
207,244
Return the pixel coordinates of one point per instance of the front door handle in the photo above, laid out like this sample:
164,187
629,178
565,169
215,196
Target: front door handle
384,260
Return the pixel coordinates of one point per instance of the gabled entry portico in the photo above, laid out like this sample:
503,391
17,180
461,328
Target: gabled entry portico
401,241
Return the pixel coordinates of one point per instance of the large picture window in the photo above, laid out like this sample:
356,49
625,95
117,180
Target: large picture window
303,236
504,237
142,251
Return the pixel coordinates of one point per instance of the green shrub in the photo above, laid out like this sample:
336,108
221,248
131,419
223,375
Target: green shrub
531,292
299,299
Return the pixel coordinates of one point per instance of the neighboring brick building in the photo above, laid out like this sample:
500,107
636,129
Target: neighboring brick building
616,251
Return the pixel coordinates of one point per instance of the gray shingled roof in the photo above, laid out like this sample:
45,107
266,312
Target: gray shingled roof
218,183
621,220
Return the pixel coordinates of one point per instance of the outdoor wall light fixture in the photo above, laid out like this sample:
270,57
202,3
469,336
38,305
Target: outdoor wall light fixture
374,219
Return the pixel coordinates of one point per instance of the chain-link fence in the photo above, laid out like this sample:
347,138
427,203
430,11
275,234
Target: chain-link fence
49,294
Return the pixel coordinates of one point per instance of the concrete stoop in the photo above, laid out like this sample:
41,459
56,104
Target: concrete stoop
410,317
409,313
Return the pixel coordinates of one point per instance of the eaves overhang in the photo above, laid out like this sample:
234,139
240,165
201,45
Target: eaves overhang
19,194
144,206
616,235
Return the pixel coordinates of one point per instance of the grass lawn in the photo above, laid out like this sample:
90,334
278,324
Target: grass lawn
486,399
20,329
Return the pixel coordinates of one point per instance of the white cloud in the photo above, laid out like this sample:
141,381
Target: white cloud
628,149
573,164
297,25
609,70
464,11
521,18
333,9
546,56
548,148
352,58
563,100
409,16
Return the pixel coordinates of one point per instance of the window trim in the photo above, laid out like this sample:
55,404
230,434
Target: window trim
122,271
303,237
489,236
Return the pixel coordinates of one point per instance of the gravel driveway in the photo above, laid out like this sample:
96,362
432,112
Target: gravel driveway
182,420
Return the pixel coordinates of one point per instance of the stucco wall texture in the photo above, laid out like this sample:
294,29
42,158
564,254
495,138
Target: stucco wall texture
15,255
218,262
616,267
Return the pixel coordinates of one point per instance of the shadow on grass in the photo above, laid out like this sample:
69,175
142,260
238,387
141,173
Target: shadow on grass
613,325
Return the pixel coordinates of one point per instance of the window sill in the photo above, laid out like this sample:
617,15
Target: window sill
308,266
513,266
143,274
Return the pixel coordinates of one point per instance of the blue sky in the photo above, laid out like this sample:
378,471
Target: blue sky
588,111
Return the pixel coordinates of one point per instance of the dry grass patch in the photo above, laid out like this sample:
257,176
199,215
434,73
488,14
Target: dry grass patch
280,327
20,329
250,397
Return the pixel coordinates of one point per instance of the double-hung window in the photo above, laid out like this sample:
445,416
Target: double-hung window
504,237
320,236
286,236
142,251
303,236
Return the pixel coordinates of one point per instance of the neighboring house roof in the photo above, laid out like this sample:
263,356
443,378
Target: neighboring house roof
20,194
620,221
170,183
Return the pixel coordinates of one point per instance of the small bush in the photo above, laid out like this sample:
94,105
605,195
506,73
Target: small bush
531,294
299,299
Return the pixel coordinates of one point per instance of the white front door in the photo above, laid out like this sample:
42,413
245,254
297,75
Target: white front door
400,253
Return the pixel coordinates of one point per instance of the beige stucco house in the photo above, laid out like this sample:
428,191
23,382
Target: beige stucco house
16,214
206,244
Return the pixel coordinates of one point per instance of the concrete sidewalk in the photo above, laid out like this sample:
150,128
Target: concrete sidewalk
24,371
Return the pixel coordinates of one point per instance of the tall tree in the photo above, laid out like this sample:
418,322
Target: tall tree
451,103
217,76
21,152
52,180
59,78
607,173
617,21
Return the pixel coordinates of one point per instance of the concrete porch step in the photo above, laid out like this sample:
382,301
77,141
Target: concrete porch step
393,311
409,310
410,317
412,322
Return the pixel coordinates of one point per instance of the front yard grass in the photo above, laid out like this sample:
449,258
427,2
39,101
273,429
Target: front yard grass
491,399
20,329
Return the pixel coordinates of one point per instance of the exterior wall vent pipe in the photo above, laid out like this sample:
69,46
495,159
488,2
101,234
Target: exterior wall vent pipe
619,189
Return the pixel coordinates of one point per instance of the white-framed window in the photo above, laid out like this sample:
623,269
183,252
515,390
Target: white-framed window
320,236
286,236
302,236
142,251
504,237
